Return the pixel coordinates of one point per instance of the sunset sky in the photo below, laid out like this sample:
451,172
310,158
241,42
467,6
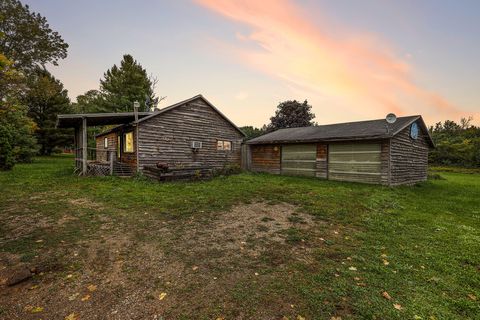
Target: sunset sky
352,60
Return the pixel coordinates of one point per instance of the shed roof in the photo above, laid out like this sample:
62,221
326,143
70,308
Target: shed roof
97,119
360,130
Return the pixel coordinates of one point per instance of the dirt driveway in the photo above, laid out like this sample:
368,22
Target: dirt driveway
238,264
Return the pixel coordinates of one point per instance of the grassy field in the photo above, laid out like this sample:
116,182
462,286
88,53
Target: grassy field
249,246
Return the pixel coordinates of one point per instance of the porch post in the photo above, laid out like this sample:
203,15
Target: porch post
84,146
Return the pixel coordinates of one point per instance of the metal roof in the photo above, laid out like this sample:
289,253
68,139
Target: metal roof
360,130
97,119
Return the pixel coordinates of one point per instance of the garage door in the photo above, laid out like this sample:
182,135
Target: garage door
354,162
299,159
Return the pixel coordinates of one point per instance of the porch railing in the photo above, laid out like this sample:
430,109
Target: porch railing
98,161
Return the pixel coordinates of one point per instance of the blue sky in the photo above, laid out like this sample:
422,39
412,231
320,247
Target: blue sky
352,60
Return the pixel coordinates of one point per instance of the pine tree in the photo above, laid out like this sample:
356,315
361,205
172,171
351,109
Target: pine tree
126,84
46,98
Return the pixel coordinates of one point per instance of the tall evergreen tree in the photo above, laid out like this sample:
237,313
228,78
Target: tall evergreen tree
125,84
27,39
290,114
46,98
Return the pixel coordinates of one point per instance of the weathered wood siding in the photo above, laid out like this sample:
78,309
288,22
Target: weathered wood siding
409,158
265,158
168,137
322,161
101,152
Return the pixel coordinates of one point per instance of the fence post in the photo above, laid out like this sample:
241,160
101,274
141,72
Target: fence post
112,157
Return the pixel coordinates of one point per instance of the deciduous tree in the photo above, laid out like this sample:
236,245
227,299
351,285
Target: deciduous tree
27,39
290,114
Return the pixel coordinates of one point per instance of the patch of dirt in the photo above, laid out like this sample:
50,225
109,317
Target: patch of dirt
86,203
21,225
229,264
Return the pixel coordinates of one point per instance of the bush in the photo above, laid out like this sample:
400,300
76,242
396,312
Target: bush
6,150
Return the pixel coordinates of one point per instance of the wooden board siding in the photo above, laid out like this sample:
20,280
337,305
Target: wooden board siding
299,159
321,161
168,137
409,158
265,158
101,152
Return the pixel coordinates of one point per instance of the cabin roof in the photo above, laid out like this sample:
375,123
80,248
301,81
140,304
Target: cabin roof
359,130
173,106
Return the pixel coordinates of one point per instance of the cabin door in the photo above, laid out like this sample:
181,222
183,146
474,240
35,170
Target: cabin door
359,162
299,159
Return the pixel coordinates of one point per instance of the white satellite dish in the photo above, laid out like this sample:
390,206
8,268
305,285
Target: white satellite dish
391,118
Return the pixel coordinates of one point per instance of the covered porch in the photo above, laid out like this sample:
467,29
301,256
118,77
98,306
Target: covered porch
96,161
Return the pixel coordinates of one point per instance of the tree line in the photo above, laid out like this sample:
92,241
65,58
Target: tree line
456,144
31,97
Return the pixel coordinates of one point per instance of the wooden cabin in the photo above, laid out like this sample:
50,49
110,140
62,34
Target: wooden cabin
366,151
189,133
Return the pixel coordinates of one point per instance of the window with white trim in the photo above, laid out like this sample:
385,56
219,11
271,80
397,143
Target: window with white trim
105,142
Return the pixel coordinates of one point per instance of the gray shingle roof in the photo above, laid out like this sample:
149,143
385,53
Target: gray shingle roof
360,130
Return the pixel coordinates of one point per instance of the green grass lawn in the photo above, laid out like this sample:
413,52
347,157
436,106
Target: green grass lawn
342,247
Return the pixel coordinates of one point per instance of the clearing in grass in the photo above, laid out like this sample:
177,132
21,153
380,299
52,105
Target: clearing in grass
249,246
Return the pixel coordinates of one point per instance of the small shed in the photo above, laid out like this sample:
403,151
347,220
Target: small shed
371,151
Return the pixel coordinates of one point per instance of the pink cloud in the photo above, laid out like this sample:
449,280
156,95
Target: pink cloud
356,70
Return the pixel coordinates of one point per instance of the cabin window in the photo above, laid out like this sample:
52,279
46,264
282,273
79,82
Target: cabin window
105,143
128,142
224,145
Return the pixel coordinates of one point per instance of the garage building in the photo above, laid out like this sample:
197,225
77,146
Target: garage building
372,151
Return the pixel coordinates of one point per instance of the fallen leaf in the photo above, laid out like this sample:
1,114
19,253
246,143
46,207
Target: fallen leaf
349,258
415,317
69,276
385,262
336,318
337,275
92,287
33,287
299,317
85,298
39,241
472,297
71,316
386,295
36,309
194,268
256,273
397,306
356,278
352,268
292,306
361,284
73,296
383,255
162,296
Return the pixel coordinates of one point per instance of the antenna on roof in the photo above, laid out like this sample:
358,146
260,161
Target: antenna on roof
390,118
